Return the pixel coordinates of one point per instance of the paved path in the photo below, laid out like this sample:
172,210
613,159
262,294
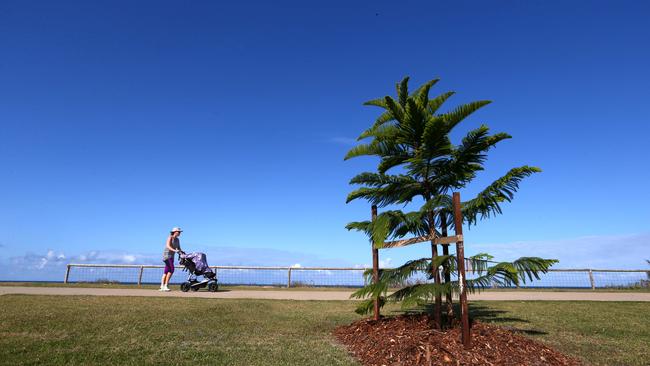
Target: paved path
320,295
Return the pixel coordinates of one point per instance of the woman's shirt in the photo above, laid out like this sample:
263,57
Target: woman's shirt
167,254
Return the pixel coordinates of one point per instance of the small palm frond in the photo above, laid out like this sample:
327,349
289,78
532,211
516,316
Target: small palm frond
378,180
419,293
363,149
382,120
366,307
435,103
461,112
373,290
503,189
397,276
363,226
403,91
531,267
422,93
379,102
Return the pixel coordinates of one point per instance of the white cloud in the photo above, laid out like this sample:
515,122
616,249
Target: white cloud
383,263
599,252
129,258
51,265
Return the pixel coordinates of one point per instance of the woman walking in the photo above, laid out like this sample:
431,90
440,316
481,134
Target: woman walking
172,246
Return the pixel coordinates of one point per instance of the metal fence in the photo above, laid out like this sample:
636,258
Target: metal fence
336,277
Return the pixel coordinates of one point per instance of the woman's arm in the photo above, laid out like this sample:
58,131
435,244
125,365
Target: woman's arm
169,244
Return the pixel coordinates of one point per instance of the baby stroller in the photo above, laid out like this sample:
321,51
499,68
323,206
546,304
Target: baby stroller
197,265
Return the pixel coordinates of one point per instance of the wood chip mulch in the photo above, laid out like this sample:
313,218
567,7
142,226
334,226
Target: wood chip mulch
407,340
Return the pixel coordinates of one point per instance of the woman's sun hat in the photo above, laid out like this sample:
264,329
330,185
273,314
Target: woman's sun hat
177,229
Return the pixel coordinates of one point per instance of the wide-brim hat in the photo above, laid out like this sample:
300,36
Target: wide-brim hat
177,229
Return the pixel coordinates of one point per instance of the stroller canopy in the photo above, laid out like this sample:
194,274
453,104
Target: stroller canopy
199,260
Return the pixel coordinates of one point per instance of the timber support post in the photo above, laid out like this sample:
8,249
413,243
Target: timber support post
67,274
140,276
462,283
289,278
375,265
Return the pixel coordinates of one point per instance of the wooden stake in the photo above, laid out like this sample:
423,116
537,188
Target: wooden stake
375,265
460,255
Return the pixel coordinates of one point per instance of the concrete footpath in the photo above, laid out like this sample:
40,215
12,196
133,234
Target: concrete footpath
321,295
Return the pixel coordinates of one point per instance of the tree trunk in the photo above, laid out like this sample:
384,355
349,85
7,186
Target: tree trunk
437,310
375,267
445,251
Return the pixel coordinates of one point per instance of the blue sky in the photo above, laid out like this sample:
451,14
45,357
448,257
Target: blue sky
120,120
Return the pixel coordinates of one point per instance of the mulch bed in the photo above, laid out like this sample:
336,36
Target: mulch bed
411,340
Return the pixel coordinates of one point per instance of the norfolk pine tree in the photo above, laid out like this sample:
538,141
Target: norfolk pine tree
413,138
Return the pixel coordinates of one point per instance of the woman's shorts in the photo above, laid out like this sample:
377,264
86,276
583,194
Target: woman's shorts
169,265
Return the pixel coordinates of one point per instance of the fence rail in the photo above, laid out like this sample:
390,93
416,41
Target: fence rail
338,276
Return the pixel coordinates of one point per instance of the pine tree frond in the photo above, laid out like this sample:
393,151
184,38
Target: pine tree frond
363,226
378,180
397,276
530,267
487,202
366,307
434,139
373,290
435,103
419,293
460,113
376,129
396,109
403,91
363,149
389,162
379,102
422,93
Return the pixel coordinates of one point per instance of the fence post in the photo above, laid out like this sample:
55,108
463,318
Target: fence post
67,274
591,279
140,276
289,278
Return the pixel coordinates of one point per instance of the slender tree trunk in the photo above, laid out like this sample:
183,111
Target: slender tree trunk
445,251
375,266
437,310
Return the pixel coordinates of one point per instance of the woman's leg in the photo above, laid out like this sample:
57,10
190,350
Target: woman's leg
169,270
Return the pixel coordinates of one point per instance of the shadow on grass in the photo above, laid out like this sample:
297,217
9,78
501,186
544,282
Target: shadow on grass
481,313
489,315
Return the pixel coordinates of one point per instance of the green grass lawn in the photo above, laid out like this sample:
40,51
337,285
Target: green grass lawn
600,333
57,330
300,288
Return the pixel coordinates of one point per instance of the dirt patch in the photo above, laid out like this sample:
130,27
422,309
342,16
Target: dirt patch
410,340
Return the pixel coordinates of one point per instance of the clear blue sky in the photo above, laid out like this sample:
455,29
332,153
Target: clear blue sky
122,119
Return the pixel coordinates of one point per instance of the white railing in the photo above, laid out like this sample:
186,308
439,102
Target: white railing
337,276
356,273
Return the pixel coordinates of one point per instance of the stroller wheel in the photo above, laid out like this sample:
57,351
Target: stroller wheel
213,287
185,286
